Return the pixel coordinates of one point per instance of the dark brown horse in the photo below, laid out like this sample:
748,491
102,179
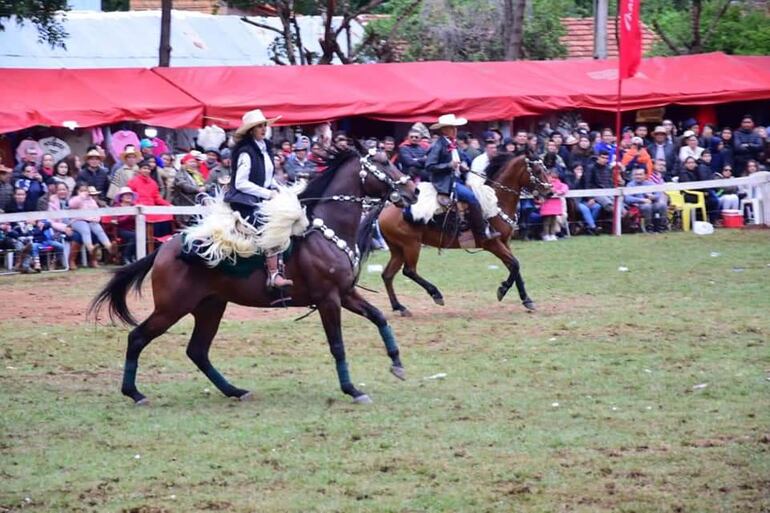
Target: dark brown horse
324,275
507,175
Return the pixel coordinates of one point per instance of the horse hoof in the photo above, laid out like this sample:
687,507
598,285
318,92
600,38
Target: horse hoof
142,402
405,312
398,372
529,305
362,399
439,300
501,292
246,397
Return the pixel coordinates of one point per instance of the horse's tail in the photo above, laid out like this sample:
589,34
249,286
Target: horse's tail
115,292
365,234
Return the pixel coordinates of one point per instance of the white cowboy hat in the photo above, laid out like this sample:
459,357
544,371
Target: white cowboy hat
448,120
252,119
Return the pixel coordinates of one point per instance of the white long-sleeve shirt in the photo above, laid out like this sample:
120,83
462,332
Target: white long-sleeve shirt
243,169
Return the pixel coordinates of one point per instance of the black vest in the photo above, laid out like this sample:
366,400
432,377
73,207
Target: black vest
257,174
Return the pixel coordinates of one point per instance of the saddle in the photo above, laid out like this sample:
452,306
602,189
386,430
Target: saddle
443,211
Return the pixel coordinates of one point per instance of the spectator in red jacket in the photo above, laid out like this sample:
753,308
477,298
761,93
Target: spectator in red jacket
148,193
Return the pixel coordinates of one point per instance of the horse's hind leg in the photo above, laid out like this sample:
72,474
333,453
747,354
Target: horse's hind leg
152,327
394,265
411,256
208,315
360,306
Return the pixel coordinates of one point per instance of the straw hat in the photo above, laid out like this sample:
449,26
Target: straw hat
660,129
92,191
448,120
125,190
252,119
94,153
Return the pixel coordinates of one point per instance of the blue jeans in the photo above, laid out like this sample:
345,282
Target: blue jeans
589,213
463,193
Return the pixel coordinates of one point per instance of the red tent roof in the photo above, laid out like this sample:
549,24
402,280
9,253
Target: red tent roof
419,91
92,97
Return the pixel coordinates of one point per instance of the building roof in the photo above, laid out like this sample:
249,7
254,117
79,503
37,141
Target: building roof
579,38
131,39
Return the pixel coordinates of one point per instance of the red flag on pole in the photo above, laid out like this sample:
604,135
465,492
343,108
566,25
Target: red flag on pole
630,38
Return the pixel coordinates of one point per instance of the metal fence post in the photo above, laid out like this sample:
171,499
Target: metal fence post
141,234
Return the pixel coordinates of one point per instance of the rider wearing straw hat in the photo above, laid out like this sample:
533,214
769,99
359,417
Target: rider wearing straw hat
254,178
444,165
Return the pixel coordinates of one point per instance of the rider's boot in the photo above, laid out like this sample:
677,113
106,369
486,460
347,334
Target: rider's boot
274,277
481,231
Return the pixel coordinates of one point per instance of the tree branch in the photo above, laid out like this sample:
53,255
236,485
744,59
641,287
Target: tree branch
371,36
720,13
351,16
665,38
261,25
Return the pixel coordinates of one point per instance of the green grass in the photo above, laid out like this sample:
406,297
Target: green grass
620,352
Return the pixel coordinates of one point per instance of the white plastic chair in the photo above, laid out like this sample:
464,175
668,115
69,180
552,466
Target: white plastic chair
755,216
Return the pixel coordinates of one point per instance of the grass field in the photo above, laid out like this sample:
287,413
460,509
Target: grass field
638,391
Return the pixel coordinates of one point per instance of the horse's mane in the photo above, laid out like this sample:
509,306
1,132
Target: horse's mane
333,160
498,163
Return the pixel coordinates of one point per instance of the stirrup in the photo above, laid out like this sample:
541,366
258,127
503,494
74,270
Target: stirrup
277,280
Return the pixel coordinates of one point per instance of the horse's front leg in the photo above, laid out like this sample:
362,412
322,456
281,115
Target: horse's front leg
331,316
360,306
503,252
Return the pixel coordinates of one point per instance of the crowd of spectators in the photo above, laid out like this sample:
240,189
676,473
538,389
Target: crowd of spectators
576,158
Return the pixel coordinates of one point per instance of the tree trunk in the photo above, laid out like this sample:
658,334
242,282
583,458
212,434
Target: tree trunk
600,29
164,51
285,13
517,37
696,46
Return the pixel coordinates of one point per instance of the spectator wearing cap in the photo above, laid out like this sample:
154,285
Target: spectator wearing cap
6,188
93,173
689,147
747,145
298,162
412,156
662,148
637,157
652,209
30,157
692,125
126,172
147,150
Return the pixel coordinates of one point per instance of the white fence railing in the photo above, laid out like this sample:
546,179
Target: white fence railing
759,180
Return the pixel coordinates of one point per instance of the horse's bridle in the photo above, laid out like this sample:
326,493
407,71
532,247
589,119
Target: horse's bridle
533,179
368,167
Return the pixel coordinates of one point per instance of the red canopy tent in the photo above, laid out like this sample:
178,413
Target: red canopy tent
92,97
419,91
479,91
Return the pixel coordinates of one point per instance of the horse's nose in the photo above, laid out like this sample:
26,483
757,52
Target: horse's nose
416,193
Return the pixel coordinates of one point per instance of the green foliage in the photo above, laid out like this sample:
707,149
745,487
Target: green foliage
465,30
41,13
743,29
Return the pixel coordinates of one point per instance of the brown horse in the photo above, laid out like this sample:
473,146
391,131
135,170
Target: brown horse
508,175
324,265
